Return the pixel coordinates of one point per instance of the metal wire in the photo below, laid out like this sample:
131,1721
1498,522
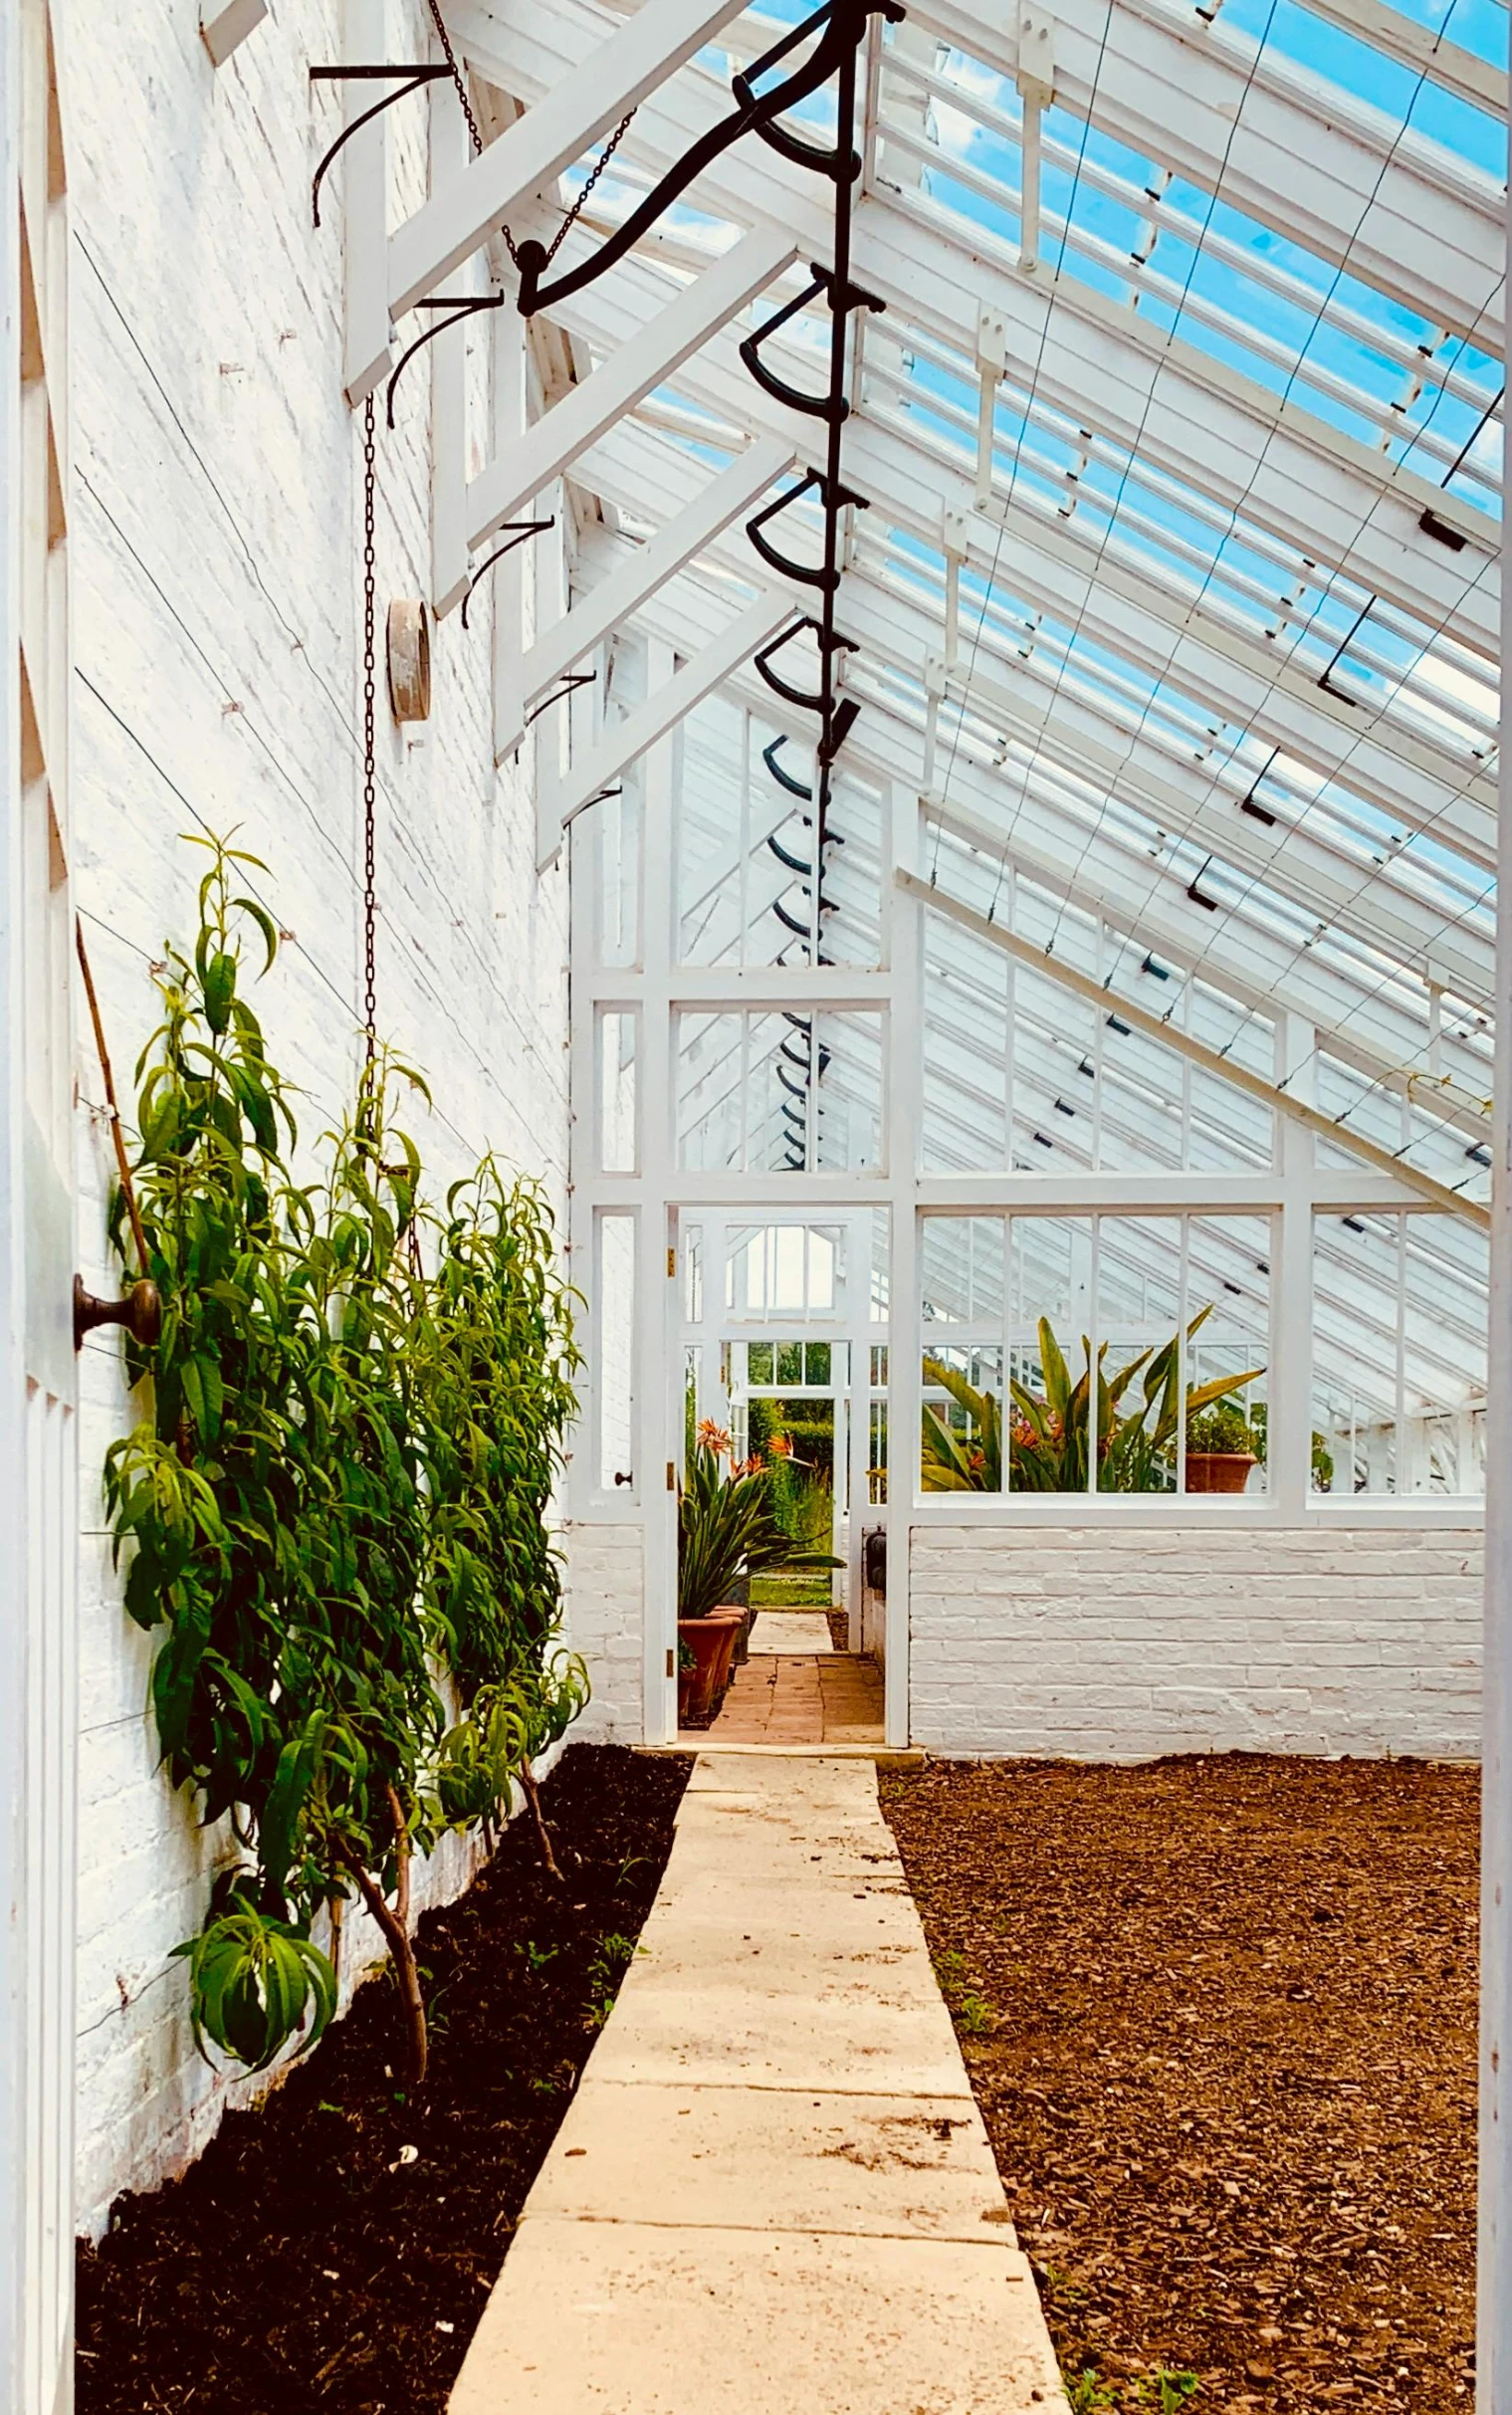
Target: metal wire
475,132
370,735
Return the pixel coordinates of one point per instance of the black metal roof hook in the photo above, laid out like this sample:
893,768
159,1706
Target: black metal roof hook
461,305
844,23
516,531
416,78
829,406
808,574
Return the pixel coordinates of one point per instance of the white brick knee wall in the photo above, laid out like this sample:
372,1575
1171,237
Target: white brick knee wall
1110,1643
606,1616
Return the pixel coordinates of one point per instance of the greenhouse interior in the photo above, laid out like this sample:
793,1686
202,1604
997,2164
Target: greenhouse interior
757,1342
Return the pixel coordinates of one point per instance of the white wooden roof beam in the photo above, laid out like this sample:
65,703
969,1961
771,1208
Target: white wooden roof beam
1317,489
1141,902
1225,1068
1090,746
642,568
632,57
622,743
637,358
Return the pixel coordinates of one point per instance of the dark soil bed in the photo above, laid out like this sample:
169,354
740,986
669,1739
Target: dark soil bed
335,2251
1219,2016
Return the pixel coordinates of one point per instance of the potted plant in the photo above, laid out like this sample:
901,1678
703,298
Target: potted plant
1220,1449
726,1530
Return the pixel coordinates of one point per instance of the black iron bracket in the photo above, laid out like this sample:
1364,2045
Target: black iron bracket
829,641
417,77
844,23
461,305
785,779
573,679
516,531
808,574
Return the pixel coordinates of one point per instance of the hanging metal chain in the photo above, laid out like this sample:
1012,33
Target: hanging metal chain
369,733
577,210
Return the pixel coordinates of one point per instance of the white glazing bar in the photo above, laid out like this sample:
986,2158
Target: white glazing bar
1290,1417
658,1392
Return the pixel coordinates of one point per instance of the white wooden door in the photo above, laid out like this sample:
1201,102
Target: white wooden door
38,1508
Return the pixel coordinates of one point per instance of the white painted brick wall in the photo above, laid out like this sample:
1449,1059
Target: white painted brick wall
606,1617
216,517
1114,1645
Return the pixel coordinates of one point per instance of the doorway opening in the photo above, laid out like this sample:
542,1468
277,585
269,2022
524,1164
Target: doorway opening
791,1374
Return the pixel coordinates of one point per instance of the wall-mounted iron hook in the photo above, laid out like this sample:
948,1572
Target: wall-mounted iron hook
417,75
516,531
573,679
461,305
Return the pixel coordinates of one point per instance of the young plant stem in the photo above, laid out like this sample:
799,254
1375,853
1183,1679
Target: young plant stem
533,1797
127,1188
395,1927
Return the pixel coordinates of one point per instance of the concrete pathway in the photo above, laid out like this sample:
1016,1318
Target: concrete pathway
773,2193
801,1699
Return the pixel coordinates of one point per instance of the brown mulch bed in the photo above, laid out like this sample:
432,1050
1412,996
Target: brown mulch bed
1219,2016
305,2263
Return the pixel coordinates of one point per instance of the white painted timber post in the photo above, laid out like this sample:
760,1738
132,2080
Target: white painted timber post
39,1507
905,1061
1493,2332
659,1394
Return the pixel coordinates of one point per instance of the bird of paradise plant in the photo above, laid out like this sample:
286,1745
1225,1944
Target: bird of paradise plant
1047,1434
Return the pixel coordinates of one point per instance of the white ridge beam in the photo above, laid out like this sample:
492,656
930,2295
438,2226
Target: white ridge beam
629,63
656,351
623,741
651,565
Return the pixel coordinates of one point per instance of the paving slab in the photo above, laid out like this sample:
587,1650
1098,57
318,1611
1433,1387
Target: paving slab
775,2159
773,2190
628,2318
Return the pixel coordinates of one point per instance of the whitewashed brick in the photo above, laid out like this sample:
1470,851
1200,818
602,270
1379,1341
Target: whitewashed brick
1127,1643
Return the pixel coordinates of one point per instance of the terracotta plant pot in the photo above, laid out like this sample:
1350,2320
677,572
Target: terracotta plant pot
1219,1470
712,1643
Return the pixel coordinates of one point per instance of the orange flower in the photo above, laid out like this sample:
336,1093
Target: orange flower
781,1448
714,1438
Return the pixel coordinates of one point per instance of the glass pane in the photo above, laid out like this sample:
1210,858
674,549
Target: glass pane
1227,1440
1139,1318
616,1091
961,1444
1050,1327
616,1346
